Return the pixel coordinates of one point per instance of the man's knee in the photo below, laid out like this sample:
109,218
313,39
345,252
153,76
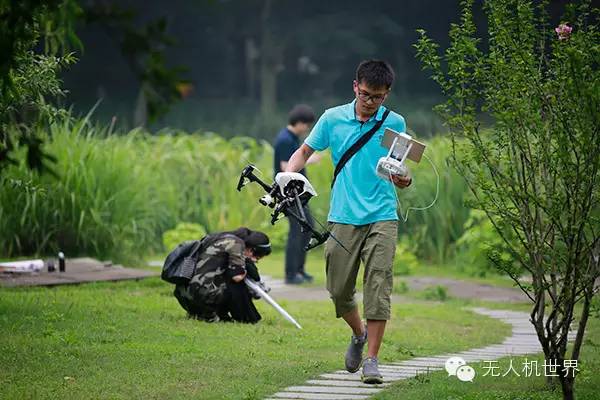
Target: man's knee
343,307
343,299
378,293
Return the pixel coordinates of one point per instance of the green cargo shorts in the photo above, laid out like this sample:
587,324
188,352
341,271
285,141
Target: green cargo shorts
373,244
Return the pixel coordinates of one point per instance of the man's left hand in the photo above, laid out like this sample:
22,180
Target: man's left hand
239,278
401,181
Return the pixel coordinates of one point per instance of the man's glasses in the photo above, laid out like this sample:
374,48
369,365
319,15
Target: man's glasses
375,98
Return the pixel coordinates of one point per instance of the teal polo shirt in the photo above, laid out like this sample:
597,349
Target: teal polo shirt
359,196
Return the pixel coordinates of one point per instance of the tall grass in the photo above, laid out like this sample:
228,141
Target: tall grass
100,205
116,194
434,231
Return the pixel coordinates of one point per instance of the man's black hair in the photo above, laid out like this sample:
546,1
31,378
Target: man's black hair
301,113
255,240
376,74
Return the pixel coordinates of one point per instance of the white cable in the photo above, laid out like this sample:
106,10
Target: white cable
437,192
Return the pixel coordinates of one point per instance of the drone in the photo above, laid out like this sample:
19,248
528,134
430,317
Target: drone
287,196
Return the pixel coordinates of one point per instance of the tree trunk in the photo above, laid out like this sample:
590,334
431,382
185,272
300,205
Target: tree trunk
251,57
140,113
567,385
270,60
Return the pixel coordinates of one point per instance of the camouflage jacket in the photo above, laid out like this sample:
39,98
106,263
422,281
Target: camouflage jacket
221,258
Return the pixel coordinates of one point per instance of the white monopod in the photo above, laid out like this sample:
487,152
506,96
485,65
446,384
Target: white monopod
254,286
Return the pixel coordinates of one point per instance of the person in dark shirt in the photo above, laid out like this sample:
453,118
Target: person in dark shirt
287,142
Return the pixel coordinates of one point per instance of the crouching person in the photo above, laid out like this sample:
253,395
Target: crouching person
216,291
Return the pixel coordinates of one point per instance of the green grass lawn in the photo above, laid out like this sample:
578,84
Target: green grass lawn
130,340
274,265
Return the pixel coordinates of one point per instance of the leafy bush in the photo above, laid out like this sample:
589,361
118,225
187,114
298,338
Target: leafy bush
536,173
435,293
400,287
405,262
183,232
478,245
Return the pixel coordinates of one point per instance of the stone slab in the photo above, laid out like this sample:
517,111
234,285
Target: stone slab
356,378
483,352
406,368
416,363
77,270
432,358
328,382
413,370
332,389
385,374
319,396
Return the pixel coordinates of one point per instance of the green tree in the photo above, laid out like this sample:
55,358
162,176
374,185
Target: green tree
28,79
143,47
535,172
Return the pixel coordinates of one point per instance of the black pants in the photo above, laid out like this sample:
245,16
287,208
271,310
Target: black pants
237,305
295,255
234,305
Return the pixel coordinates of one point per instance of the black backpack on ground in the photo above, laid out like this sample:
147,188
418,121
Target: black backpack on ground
181,263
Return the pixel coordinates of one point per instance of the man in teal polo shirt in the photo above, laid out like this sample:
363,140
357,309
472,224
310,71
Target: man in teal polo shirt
362,212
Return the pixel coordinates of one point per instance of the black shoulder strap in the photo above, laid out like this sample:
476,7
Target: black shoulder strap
357,146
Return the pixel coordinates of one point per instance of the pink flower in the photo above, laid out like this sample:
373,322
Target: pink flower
563,31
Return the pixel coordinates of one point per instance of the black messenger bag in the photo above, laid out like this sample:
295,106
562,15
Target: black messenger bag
180,264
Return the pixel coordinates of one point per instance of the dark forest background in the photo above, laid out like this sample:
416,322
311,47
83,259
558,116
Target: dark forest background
245,63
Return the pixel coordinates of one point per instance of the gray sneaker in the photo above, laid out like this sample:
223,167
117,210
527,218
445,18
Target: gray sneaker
354,352
370,372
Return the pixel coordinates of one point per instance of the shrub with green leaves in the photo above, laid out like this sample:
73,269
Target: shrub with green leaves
405,262
183,232
435,293
478,244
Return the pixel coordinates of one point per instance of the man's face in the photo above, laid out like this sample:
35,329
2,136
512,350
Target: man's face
303,128
368,99
248,253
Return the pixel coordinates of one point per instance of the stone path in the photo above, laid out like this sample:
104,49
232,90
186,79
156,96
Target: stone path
342,385
456,288
465,289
